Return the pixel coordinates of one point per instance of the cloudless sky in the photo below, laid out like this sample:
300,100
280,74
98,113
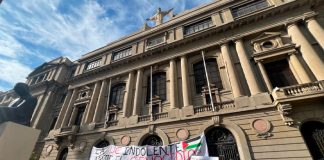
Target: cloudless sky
35,31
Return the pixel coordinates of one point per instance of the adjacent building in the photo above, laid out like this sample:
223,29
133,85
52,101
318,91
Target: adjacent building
248,74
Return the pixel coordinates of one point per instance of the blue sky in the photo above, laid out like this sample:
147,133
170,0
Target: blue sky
35,31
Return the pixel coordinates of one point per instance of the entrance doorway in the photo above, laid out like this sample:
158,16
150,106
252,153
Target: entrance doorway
221,143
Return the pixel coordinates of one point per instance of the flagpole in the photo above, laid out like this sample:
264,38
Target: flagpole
208,84
151,89
108,100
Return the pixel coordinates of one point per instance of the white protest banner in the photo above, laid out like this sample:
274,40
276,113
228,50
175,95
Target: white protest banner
182,150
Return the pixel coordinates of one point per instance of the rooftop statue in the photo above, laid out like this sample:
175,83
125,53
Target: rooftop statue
21,109
158,17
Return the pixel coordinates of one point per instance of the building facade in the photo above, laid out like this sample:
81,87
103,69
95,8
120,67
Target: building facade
248,74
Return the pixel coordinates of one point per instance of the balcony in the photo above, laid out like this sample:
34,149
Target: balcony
217,107
299,92
155,117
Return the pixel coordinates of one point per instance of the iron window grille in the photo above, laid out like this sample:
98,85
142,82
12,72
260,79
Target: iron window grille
196,27
155,41
93,64
122,54
250,8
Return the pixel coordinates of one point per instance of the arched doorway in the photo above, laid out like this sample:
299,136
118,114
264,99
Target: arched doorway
152,140
221,143
313,134
63,154
102,144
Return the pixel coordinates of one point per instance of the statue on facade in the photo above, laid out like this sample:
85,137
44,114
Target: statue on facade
158,17
21,109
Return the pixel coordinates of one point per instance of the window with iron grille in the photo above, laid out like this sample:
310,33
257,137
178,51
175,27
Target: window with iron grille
155,41
213,74
250,8
122,54
158,86
93,64
198,26
117,95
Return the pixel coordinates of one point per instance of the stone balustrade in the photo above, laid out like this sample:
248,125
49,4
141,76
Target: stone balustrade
160,115
217,106
144,118
299,90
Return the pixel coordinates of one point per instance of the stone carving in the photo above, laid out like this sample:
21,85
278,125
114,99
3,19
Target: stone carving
285,110
216,120
159,15
262,128
81,147
21,109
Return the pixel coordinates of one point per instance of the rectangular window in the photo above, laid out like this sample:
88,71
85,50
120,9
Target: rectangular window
193,28
78,120
155,41
93,64
280,74
122,54
112,117
249,8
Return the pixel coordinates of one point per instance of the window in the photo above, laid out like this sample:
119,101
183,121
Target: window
198,26
280,74
53,123
158,87
112,117
249,8
122,54
93,64
117,95
155,41
152,140
213,74
78,119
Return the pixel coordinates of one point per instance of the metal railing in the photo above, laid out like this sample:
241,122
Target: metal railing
249,8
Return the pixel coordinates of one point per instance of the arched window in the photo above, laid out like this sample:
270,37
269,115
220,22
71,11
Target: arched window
313,134
117,95
102,144
213,74
221,143
63,155
158,86
152,140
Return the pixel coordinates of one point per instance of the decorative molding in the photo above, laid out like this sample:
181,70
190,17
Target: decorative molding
125,140
285,111
262,128
216,120
182,134
80,147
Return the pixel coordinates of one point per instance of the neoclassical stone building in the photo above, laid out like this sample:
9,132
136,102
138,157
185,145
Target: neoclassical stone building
249,74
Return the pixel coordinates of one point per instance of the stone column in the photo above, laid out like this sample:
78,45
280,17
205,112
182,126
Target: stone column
91,107
309,54
100,103
68,108
138,92
128,95
185,81
173,84
234,81
250,76
302,74
63,109
44,109
317,31
265,76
